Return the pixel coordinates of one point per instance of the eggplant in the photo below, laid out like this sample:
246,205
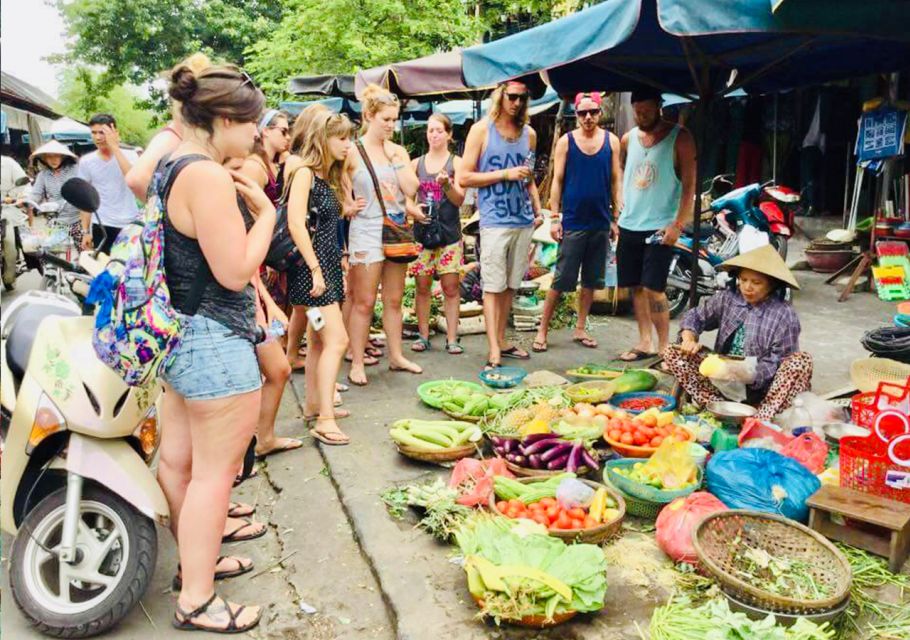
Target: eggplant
542,445
510,457
589,460
497,442
520,460
558,463
511,445
535,461
556,450
535,437
574,457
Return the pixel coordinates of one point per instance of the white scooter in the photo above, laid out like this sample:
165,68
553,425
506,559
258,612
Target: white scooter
77,489
11,218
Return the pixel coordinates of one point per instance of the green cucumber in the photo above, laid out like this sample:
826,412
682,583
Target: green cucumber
404,437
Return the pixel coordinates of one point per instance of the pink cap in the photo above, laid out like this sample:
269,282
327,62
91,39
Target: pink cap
593,96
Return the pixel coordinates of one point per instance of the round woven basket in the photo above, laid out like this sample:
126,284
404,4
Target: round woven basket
438,455
643,491
637,507
721,540
602,391
535,622
525,472
462,416
593,535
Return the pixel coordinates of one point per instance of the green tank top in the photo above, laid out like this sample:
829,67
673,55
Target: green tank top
651,188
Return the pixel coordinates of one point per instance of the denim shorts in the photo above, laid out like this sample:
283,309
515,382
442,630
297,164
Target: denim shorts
211,362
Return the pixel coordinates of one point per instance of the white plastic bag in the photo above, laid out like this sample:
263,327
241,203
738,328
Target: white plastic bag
573,493
809,410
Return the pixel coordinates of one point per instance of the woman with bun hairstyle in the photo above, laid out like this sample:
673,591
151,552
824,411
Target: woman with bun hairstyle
314,209
397,182
212,384
139,177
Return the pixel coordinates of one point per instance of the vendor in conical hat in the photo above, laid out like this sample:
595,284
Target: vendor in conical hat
54,164
753,321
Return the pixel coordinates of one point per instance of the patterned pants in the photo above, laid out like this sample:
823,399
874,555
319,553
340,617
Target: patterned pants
792,378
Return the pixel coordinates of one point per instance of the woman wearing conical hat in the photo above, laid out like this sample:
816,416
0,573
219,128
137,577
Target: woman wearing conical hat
54,164
752,321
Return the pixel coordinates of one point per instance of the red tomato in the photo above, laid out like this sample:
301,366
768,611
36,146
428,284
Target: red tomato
547,502
536,507
577,523
541,518
590,523
656,440
502,505
553,512
563,521
615,435
639,439
577,513
626,438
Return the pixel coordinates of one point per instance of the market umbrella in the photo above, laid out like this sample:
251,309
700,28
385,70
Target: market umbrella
700,48
334,86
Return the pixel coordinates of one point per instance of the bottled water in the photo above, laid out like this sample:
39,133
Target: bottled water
431,204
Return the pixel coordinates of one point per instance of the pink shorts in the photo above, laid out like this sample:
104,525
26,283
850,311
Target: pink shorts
439,261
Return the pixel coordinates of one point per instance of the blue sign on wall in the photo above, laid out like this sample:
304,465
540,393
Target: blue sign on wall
881,134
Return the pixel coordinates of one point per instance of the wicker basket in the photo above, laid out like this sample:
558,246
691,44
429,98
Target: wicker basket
535,622
637,507
603,391
720,539
462,416
643,491
438,455
866,373
594,535
525,472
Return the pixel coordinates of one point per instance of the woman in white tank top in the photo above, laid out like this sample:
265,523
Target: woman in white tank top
397,182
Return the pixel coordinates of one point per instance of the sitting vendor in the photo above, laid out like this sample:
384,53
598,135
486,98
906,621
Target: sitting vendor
754,323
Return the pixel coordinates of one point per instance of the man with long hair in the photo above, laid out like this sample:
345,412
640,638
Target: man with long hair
498,161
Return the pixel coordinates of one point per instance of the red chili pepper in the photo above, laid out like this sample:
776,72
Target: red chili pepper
642,404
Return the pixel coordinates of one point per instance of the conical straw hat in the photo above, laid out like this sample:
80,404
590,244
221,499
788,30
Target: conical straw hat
765,260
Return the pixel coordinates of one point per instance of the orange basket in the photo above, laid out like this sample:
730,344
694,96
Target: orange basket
631,450
864,407
880,463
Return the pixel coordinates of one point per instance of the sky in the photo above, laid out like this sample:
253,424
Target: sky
31,31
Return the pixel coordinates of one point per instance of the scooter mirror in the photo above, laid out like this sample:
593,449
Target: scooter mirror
81,194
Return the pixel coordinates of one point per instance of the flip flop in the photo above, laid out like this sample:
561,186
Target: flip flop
290,445
420,345
515,352
373,352
379,343
340,439
639,355
233,537
395,367
586,341
539,347
177,582
356,382
240,510
340,414
491,365
239,479
368,360
341,387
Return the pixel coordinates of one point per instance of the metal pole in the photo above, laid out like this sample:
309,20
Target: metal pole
774,144
701,121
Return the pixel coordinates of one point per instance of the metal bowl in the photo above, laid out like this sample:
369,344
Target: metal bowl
734,413
837,430
786,619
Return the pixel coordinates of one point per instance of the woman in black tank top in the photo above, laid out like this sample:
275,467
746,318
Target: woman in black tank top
212,382
436,171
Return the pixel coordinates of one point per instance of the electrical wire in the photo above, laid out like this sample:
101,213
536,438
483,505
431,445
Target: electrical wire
889,342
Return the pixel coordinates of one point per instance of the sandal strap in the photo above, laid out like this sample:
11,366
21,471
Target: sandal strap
246,523
198,611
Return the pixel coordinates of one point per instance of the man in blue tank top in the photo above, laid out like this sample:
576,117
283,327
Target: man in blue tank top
586,188
497,161
658,159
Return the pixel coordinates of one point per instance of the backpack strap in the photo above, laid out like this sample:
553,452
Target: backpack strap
203,272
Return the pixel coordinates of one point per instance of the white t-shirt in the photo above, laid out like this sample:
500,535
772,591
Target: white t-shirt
118,204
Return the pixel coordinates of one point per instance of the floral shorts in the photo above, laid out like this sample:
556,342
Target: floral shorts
439,261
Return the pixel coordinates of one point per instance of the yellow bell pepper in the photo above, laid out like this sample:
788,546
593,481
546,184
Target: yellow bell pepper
598,504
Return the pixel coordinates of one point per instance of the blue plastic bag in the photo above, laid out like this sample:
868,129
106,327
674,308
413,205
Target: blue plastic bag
762,480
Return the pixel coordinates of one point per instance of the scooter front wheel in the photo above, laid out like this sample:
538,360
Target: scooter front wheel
117,548
9,258
677,298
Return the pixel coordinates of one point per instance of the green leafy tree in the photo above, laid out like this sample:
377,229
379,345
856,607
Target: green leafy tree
134,40
342,36
81,96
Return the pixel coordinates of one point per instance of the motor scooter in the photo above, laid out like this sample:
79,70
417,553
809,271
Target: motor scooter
77,490
11,218
766,209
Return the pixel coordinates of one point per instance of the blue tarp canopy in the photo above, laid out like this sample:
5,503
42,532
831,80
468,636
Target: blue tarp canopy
701,47
351,107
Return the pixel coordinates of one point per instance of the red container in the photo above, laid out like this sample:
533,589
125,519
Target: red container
871,466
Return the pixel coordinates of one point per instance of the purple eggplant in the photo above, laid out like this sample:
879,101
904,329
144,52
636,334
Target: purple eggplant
542,445
520,460
536,437
556,450
535,461
574,457
497,441
588,459
558,463
512,445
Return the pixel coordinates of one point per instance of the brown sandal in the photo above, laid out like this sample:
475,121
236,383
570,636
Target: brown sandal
331,438
185,621
240,510
233,537
177,582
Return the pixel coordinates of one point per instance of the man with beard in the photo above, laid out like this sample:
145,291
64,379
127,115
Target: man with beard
587,188
496,163
658,159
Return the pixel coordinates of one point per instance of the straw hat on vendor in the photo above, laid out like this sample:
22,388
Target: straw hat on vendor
757,338
53,154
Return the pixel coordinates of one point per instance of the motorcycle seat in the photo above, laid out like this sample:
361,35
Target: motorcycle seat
22,335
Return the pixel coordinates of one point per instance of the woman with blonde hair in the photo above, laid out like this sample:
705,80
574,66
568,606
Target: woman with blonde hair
314,209
212,383
397,182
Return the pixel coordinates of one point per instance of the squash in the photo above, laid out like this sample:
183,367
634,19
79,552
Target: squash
636,380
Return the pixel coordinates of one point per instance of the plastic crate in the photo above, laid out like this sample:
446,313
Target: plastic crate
892,292
895,261
891,272
867,465
891,248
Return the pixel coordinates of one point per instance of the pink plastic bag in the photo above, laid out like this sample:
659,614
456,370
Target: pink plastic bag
809,450
474,479
676,524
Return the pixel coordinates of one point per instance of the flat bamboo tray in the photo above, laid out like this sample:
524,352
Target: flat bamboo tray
438,455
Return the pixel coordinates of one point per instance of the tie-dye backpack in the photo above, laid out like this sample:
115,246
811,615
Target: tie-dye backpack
136,327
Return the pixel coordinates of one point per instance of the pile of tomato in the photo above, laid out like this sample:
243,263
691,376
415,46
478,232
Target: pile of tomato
642,433
549,513
643,403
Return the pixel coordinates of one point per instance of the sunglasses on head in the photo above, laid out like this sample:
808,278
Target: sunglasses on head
516,97
284,130
387,98
247,79
584,113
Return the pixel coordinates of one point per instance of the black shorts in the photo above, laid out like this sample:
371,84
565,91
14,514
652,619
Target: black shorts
642,265
584,250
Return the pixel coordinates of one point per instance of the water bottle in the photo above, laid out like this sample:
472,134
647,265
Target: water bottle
655,238
431,205
275,331
135,292
530,164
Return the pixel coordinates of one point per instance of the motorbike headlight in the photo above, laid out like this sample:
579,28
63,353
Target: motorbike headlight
48,421
148,435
